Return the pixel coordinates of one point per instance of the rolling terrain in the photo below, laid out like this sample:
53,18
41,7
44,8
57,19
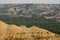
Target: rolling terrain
46,16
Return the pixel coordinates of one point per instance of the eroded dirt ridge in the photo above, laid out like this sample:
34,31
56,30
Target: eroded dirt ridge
13,32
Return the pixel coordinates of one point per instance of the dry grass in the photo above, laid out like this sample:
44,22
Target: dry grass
13,32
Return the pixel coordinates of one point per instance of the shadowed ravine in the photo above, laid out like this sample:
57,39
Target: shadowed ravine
14,32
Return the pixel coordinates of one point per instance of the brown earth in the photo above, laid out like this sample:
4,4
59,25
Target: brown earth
13,32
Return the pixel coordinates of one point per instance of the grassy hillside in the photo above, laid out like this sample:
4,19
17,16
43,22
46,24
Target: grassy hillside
41,22
14,32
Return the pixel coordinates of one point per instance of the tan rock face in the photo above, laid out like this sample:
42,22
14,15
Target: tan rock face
13,32
11,10
1,5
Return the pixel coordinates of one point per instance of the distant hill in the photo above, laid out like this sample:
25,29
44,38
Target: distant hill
48,11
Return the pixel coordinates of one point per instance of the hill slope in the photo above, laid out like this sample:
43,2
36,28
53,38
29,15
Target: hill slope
13,32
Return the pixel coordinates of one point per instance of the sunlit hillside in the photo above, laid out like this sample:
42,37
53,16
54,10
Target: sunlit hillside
13,32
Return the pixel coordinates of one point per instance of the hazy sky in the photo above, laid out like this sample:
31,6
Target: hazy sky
30,1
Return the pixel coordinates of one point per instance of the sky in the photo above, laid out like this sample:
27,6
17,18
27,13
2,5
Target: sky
29,1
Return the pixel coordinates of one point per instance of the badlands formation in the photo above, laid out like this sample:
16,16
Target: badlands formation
14,32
